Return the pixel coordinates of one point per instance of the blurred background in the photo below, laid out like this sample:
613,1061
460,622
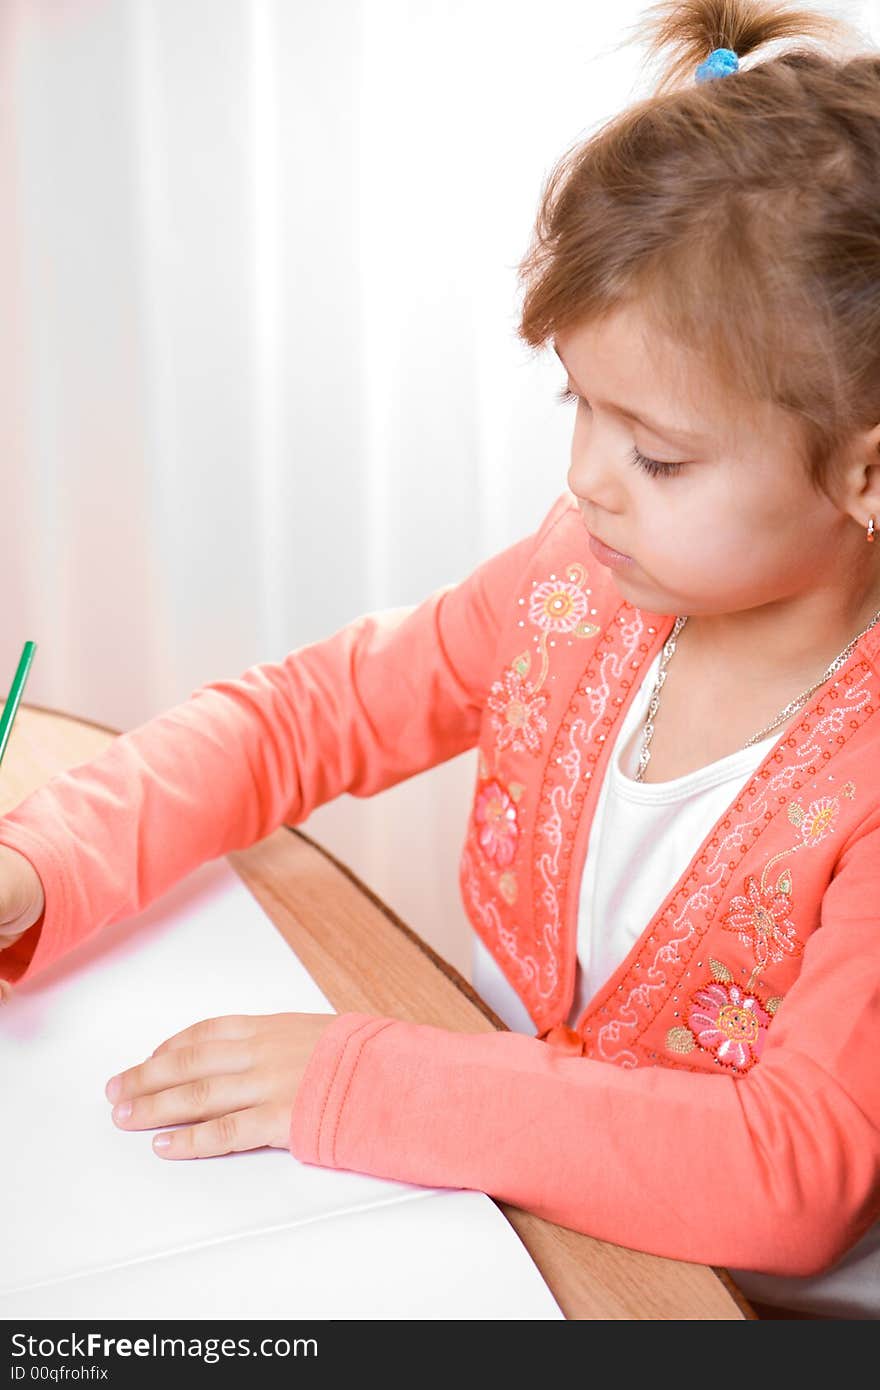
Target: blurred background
257,343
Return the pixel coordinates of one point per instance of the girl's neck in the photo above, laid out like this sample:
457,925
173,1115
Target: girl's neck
788,640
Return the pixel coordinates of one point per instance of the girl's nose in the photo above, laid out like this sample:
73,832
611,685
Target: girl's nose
597,471
594,486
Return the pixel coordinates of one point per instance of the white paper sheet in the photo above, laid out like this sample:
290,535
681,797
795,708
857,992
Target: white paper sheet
448,1255
101,1225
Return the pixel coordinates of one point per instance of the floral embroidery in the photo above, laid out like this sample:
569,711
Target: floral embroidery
729,1022
517,708
760,916
521,722
559,605
761,919
725,1019
495,814
818,819
556,606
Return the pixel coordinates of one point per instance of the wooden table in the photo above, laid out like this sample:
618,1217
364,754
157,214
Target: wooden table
372,962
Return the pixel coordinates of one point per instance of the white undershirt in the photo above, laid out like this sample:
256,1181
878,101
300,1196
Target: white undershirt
644,835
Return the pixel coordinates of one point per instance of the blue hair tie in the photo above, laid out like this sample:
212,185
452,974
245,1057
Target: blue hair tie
720,62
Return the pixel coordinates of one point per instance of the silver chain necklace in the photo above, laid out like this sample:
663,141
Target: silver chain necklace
790,709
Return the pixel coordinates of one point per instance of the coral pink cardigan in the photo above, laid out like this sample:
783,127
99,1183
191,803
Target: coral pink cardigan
721,1101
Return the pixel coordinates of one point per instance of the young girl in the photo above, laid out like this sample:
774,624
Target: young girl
672,862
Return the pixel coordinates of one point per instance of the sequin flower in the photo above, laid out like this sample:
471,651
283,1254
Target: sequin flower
558,606
517,715
727,1021
495,815
760,919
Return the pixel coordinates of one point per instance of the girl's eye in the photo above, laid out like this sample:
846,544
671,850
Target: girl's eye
652,466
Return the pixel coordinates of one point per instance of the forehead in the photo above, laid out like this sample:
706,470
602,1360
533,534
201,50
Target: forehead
625,360
626,353
615,372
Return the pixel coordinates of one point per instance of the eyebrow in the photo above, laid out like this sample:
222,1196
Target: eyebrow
668,430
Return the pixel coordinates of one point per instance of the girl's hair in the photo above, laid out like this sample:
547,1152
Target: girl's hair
741,215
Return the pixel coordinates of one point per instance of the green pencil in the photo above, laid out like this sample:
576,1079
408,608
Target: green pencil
14,698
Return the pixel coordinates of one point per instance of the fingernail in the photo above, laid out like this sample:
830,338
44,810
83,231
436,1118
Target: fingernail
122,1112
114,1086
161,1141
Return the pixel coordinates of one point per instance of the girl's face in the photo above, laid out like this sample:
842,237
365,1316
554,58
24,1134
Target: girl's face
726,518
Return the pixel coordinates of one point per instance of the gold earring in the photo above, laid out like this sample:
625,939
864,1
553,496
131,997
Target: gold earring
870,535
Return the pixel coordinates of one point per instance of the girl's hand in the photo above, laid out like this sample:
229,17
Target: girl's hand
238,1075
22,903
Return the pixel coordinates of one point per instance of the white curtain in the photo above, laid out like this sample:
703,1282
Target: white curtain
257,351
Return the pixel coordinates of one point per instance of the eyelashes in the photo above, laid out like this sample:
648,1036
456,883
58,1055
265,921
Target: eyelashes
652,466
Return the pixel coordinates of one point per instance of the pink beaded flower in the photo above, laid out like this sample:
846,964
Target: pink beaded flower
727,1021
495,815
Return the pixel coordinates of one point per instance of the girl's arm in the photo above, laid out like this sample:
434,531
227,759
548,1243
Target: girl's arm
778,1171
387,696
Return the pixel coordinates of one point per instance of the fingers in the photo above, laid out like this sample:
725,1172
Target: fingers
228,1133
193,1081
235,1076
208,1029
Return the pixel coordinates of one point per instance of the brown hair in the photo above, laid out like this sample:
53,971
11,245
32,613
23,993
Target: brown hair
741,214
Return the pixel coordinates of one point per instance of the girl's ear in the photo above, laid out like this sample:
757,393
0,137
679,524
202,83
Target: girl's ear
858,490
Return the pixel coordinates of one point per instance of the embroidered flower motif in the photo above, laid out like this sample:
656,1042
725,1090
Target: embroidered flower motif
818,819
516,707
729,1022
517,716
495,815
760,918
558,605
726,1019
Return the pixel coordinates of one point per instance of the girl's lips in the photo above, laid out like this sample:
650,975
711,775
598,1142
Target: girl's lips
605,554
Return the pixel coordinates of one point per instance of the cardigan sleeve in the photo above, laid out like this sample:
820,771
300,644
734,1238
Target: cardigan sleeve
389,695
777,1171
